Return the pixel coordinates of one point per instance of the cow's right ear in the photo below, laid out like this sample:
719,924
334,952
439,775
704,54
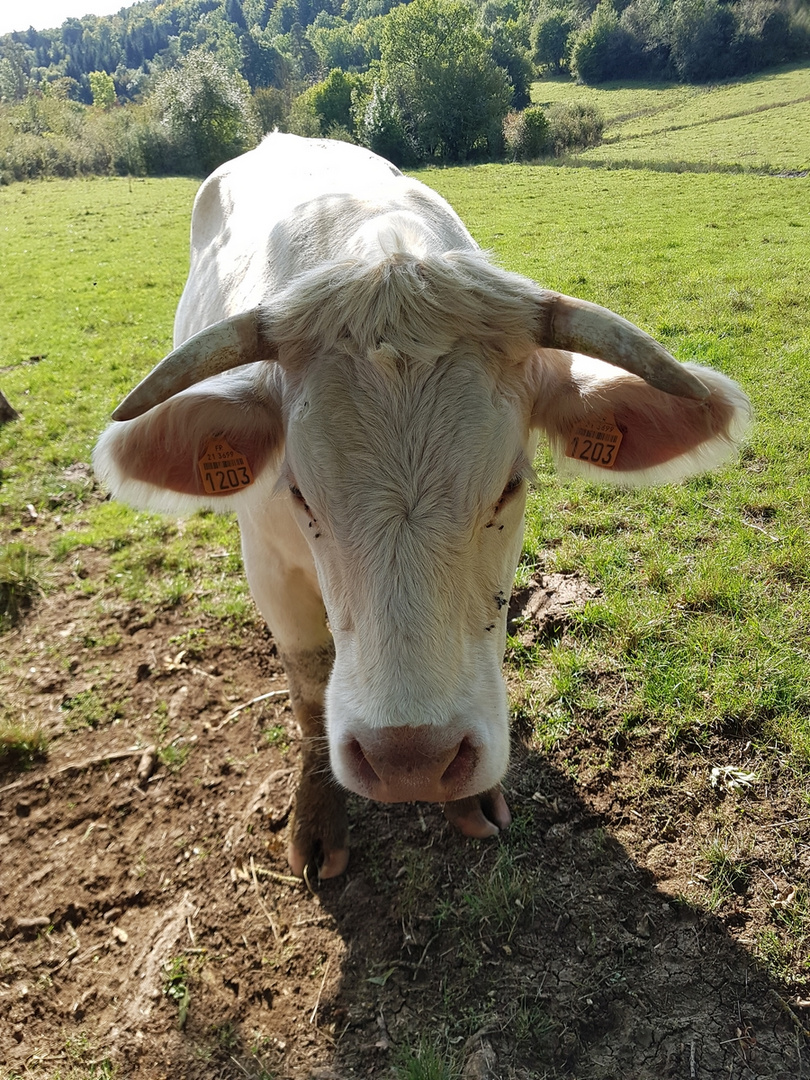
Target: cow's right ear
205,446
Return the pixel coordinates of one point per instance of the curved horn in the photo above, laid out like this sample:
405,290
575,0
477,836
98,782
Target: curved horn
225,345
579,326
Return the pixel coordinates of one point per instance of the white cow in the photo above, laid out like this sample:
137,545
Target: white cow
354,377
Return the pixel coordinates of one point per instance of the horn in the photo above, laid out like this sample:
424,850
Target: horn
225,345
577,325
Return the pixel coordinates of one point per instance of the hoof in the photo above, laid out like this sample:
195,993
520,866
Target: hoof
319,835
333,864
480,815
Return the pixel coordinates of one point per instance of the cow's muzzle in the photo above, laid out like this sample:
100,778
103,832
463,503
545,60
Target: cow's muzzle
409,764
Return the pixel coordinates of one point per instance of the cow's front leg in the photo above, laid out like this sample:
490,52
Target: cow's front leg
480,815
319,832
284,585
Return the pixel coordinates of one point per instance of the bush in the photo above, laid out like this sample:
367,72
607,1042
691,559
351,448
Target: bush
526,134
574,127
49,136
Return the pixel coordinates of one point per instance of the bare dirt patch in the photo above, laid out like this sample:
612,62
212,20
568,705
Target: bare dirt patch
149,928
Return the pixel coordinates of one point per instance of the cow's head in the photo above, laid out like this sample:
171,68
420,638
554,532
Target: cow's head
397,406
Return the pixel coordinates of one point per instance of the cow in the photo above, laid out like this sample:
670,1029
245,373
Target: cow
364,387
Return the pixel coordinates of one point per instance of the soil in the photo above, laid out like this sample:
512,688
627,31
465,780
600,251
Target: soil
149,928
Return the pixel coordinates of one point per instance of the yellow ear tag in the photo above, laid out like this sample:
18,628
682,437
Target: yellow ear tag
224,469
596,441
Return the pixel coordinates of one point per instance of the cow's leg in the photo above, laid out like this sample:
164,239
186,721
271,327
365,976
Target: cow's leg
480,815
319,827
285,587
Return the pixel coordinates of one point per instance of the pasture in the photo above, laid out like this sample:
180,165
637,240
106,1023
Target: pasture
761,123
647,914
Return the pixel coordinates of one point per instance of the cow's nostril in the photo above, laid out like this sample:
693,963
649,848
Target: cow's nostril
463,764
408,764
362,766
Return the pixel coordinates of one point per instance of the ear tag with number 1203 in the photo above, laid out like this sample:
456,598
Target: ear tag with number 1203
224,469
596,441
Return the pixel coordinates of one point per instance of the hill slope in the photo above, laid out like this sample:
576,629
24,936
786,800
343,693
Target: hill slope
761,122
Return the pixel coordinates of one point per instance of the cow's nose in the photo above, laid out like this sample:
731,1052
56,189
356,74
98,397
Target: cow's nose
407,764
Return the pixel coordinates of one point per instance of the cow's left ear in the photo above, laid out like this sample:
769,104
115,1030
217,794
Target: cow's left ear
613,427
202,447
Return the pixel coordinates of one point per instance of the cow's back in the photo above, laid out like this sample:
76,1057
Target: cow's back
288,206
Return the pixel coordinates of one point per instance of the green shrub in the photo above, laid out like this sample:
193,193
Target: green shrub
574,126
327,106
602,49
526,134
48,136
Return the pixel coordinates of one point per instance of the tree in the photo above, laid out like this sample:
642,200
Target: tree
262,63
381,128
510,51
701,34
206,109
449,92
14,72
549,38
603,49
646,21
102,87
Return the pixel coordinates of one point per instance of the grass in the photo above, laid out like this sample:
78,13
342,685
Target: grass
726,870
21,742
758,123
425,1062
19,583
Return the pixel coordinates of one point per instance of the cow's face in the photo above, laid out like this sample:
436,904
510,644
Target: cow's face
406,469
408,481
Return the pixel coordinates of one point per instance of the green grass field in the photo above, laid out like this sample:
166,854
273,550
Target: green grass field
761,123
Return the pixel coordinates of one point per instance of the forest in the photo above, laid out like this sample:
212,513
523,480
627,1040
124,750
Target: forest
180,85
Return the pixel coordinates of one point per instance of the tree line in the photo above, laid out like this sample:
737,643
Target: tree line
181,85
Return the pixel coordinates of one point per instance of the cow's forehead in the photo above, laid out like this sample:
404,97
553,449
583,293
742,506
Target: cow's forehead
445,421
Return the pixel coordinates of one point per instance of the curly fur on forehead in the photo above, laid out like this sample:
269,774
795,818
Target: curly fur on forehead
419,307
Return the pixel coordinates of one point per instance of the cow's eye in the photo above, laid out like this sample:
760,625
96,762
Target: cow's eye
514,483
296,493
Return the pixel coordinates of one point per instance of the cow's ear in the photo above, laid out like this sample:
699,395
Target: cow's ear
206,446
613,427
